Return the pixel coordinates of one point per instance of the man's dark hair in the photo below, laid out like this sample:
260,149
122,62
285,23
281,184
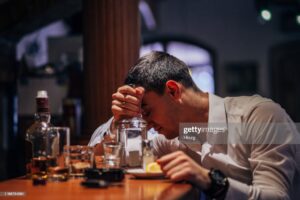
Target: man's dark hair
154,69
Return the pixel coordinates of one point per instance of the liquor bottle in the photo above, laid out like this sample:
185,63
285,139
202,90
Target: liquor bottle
36,135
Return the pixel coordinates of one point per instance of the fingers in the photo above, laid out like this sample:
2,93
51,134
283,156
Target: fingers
178,166
127,106
120,112
129,95
127,101
174,163
126,98
138,92
180,175
169,157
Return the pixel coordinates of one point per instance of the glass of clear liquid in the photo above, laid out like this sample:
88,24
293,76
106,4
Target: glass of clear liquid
112,154
131,133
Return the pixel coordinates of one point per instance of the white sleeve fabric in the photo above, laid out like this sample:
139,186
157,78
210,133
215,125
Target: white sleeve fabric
274,165
98,134
272,177
163,146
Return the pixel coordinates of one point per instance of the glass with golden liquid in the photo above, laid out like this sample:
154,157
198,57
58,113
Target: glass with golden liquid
57,139
78,158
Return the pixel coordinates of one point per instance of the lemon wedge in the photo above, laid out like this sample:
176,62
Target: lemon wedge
153,167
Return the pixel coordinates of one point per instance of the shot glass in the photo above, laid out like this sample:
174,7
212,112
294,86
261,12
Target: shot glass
112,154
57,138
78,158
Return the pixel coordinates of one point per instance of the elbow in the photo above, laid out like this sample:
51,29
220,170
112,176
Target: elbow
270,194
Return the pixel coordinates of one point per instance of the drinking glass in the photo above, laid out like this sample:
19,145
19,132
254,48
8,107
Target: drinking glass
57,138
131,132
112,154
78,158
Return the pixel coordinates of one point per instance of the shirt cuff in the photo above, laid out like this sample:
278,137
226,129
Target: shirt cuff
237,190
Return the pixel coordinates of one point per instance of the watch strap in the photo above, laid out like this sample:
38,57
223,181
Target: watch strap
219,184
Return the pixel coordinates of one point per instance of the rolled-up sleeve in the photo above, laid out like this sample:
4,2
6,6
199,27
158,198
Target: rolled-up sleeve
98,134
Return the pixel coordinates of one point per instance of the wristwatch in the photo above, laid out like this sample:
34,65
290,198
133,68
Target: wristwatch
219,184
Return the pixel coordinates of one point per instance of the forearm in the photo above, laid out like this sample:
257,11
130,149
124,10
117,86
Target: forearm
239,190
100,132
98,149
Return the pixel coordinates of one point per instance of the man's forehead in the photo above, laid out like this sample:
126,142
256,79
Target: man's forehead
148,97
145,99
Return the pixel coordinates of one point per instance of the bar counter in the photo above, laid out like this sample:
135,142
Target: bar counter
131,188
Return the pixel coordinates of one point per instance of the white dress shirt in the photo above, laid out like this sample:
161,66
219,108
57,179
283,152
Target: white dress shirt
261,152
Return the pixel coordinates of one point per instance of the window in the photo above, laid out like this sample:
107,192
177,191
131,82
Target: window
198,58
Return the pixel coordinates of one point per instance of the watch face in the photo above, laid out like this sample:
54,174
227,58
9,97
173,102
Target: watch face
219,183
219,177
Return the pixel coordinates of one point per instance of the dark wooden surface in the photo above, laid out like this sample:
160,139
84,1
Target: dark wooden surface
131,189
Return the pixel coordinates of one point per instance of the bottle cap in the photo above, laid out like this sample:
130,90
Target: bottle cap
42,94
42,104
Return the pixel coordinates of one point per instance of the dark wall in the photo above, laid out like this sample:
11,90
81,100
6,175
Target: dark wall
232,28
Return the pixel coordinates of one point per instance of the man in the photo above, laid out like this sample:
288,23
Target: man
257,156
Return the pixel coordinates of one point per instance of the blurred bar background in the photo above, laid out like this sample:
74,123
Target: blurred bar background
80,51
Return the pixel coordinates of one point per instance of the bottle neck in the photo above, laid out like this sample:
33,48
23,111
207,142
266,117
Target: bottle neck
42,110
42,117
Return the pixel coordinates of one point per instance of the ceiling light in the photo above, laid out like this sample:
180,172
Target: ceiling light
266,14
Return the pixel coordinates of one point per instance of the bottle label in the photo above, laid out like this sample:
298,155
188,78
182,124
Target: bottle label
42,105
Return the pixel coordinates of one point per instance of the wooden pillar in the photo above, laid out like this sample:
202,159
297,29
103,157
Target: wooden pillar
111,47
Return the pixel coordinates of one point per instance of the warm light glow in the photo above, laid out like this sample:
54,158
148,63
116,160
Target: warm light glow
266,15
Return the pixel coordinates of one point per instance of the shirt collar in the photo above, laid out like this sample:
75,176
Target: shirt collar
217,120
216,113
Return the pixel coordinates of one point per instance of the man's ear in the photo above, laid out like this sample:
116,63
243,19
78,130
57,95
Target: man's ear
173,88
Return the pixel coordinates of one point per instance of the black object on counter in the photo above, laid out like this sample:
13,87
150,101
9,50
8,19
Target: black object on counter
110,175
95,183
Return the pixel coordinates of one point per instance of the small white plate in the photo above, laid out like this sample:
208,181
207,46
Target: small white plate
140,173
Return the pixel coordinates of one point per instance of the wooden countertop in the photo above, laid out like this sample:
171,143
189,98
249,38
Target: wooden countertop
131,189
